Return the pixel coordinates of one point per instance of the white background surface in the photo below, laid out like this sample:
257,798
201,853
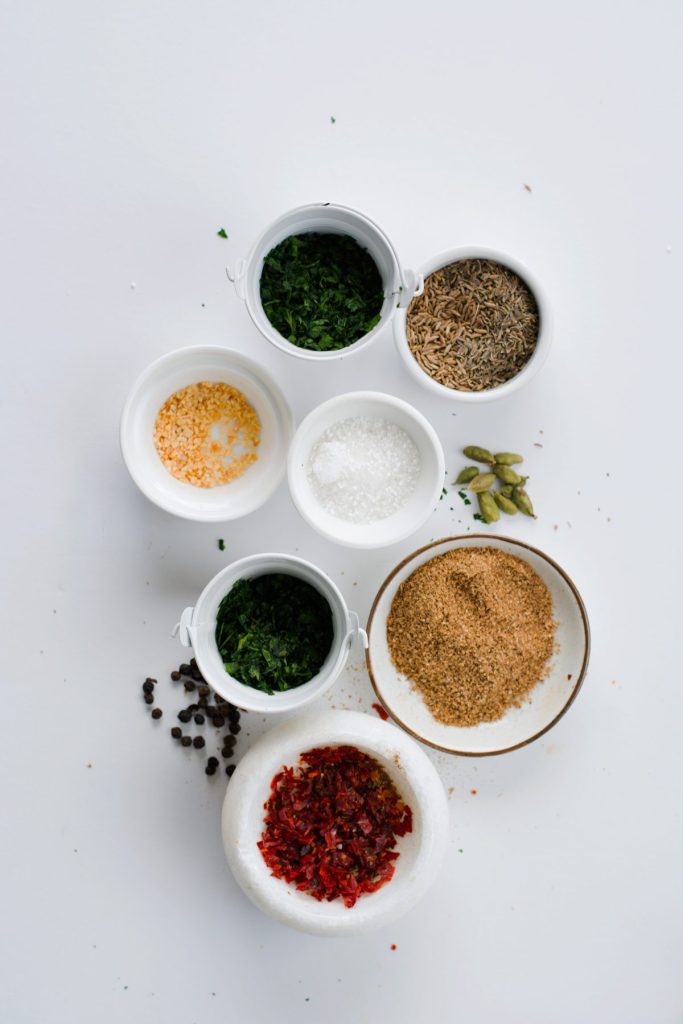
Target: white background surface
131,133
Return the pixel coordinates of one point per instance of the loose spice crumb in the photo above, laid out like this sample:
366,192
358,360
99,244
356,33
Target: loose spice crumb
473,631
473,792
392,946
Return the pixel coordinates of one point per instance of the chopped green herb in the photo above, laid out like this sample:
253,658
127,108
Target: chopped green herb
479,517
222,233
333,120
221,544
443,494
321,291
273,632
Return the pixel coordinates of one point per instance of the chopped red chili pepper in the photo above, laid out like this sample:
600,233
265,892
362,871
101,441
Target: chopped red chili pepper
381,712
331,825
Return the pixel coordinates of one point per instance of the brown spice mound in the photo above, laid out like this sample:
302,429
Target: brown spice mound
474,326
207,434
473,631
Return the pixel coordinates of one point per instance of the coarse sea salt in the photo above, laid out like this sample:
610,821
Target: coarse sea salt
363,469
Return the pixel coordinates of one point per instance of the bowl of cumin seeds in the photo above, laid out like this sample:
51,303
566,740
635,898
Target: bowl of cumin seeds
480,329
477,645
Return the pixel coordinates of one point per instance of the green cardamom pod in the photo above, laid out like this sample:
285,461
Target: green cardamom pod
481,482
506,505
506,490
466,474
507,458
488,507
507,475
523,502
473,451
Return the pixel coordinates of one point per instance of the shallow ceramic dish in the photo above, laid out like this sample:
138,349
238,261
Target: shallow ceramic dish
197,629
519,726
178,370
530,368
420,504
421,851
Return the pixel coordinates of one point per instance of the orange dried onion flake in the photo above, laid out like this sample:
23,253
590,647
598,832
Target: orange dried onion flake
207,434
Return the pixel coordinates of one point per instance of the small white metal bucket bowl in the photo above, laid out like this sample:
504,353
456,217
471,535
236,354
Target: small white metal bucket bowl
327,218
419,505
535,361
197,628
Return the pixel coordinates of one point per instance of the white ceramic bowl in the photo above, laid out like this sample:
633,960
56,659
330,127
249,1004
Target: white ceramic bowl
421,851
420,504
529,370
327,218
197,628
177,370
519,726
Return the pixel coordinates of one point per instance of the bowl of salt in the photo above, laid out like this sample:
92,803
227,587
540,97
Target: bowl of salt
365,469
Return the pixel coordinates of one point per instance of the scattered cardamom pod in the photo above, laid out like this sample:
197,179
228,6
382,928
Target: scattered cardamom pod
488,507
473,451
466,474
482,482
506,505
507,475
507,458
523,501
506,490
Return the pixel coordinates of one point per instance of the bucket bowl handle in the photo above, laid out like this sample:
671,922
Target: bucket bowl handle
236,275
182,628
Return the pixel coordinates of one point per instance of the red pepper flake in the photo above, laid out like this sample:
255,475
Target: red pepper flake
473,792
331,824
381,712
392,946
569,676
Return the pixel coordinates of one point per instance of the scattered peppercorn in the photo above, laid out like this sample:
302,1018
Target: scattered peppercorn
229,740
203,691
149,698
227,752
184,716
175,676
186,741
176,732
157,713
209,770
148,686
199,719
218,721
235,728
213,762
185,669
230,770
189,685
198,742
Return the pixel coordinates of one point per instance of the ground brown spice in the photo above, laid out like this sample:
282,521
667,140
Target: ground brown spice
474,632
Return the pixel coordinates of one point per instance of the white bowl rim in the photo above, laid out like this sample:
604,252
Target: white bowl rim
275,395
543,342
391,401
584,661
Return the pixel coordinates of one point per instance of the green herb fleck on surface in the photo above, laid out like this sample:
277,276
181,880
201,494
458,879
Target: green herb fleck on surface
273,632
321,291
333,120
479,517
221,544
222,233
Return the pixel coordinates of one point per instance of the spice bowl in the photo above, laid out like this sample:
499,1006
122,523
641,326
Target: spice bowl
399,284
178,370
543,339
420,851
367,405
545,704
197,629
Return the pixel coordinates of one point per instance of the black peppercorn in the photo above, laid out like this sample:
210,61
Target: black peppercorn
203,691
149,698
189,685
157,713
184,716
228,752
175,676
199,719
213,762
176,732
185,669
186,741
218,721
229,740
198,742
209,770
148,686
230,769
235,728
